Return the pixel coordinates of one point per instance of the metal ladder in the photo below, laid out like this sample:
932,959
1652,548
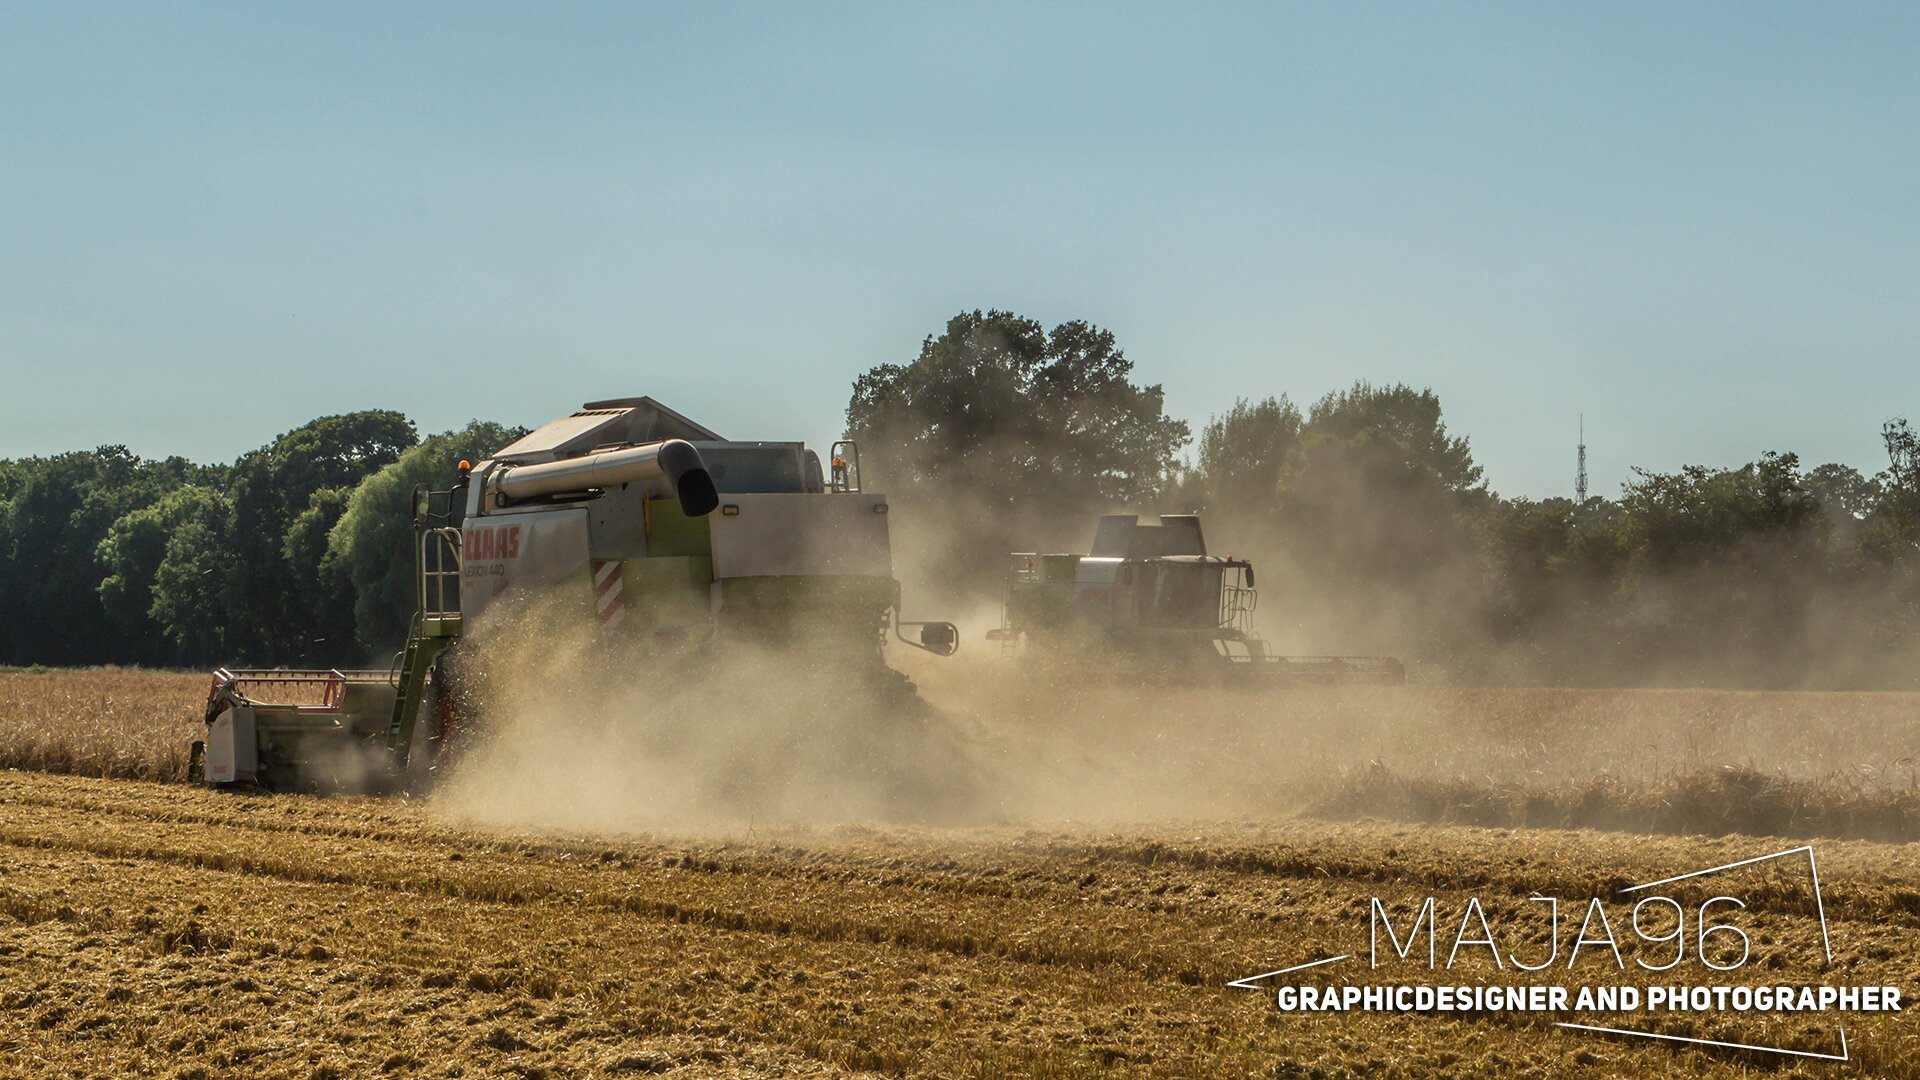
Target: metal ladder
436,620
1022,566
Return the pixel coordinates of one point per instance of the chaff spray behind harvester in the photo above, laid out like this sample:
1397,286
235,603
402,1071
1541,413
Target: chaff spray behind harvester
628,519
1150,597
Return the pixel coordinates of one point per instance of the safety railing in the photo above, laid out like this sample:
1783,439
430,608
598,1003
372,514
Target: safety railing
1237,603
439,578
843,477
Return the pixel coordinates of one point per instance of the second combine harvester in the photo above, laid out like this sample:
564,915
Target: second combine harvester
624,517
1150,597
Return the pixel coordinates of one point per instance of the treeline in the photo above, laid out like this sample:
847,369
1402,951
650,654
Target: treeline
1765,575
1373,528
298,553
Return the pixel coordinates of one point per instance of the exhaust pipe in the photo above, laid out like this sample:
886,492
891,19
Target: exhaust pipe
675,459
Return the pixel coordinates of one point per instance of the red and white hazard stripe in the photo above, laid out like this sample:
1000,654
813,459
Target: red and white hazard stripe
607,589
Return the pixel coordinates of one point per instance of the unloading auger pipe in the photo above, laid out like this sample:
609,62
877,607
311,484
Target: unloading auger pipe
675,459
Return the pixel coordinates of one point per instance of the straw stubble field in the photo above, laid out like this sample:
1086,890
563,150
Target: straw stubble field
150,928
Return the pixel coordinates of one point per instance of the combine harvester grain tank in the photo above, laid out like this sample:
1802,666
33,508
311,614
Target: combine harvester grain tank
638,523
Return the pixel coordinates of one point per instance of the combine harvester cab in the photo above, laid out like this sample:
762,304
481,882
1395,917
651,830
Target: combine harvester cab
740,542
1150,596
635,526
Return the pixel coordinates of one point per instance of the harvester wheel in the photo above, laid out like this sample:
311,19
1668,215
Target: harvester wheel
446,712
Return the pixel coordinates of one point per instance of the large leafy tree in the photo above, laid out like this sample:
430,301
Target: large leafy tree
369,551
1394,435
1010,413
1893,531
55,514
1237,465
283,497
194,604
1847,497
1378,484
1699,515
1890,537
1726,569
134,554
303,549
1379,510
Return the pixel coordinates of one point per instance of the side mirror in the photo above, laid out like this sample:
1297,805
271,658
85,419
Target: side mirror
939,638
1250,577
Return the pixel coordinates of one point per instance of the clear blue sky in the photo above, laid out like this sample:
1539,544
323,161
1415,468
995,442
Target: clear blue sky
1696,223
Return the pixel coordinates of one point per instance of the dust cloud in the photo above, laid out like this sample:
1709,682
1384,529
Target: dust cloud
1764,617
573,733
566,731
581,738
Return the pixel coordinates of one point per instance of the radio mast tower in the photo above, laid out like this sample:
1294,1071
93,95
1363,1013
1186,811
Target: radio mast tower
1580,476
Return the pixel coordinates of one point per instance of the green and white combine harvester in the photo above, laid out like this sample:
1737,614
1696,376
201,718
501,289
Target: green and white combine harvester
630,518
1149,598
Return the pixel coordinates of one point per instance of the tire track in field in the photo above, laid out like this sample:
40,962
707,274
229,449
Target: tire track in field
1027,871
492,920
485,921
1190,950
812,917
283,951
518,889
